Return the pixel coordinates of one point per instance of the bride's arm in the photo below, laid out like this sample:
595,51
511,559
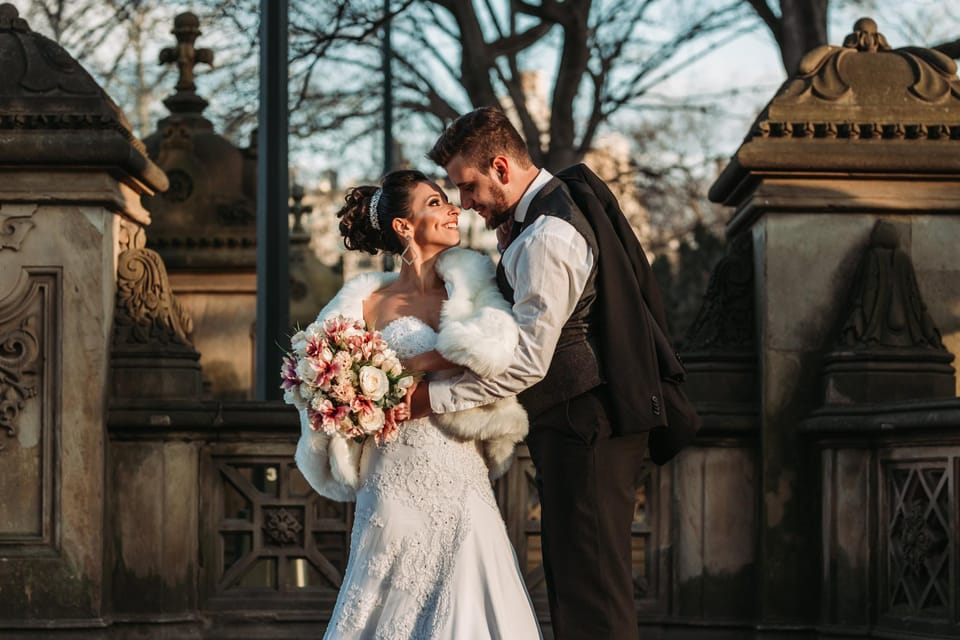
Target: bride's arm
428,361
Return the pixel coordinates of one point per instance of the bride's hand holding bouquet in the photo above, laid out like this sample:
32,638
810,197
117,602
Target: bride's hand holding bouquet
347,379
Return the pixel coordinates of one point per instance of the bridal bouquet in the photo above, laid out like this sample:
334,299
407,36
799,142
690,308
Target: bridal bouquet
346,379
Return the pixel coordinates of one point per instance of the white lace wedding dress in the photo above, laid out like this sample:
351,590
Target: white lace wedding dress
429,553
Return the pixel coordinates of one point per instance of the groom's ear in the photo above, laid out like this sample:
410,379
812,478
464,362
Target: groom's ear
501,169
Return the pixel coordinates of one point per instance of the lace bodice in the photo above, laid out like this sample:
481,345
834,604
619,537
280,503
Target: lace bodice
409,336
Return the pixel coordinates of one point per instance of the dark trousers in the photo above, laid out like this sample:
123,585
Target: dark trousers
587,481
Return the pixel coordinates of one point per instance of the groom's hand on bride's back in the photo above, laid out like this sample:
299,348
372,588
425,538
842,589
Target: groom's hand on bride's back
418,399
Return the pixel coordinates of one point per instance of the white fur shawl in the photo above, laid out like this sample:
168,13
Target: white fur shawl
477,331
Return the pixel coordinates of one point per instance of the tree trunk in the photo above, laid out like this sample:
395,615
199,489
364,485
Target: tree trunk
475,61
573,65
803,26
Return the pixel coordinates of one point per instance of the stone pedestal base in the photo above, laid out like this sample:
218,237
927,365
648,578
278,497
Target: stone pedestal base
156,376
854,377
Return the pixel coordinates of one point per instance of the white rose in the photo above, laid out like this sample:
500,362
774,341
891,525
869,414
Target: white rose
298,342
391,364
307,373
377,359
371,421
405,383
373,383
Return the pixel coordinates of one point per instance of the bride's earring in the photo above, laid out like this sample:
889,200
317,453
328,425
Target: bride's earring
408,255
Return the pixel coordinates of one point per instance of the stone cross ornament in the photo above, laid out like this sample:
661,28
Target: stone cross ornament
186,27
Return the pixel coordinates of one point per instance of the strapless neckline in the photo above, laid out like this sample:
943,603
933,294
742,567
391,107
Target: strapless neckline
405,319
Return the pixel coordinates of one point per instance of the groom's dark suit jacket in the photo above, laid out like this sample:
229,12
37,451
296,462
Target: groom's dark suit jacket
624,316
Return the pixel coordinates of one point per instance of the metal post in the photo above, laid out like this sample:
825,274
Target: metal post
273,297
387,92
387,110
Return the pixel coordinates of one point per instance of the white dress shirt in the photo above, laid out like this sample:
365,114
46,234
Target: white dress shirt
548,266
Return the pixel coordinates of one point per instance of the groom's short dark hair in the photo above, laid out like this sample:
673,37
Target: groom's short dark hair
480,136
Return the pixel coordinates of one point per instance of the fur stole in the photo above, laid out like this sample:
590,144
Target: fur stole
477,331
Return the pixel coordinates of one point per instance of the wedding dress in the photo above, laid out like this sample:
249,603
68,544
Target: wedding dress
429,553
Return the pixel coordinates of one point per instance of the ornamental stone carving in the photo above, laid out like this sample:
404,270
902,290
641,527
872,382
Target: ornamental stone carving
22,322
725,321
41,68
186,27
282,527
60,72
834,73
918,536
865,90
53,112
887,347
886,307
147,313
131,235
152,354
719,350
181,186
913,538
15,224
211,203
19,371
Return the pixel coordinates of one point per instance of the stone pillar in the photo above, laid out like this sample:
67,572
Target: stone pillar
71,174
863,133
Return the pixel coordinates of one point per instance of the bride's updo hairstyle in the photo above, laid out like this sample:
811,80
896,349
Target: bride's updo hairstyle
356,222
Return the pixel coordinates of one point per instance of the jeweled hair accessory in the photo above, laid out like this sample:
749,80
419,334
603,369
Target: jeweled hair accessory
374,201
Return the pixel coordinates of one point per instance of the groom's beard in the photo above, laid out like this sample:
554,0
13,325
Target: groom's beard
500,210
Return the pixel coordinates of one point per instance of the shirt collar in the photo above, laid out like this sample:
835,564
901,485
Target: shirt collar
542,178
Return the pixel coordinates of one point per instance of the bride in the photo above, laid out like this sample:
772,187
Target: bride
429,552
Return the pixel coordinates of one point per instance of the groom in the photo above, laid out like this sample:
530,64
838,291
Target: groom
591,404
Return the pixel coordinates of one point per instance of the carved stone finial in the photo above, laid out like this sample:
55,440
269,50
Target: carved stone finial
186,27
868,25
866,37
52,111
298,209
10,19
